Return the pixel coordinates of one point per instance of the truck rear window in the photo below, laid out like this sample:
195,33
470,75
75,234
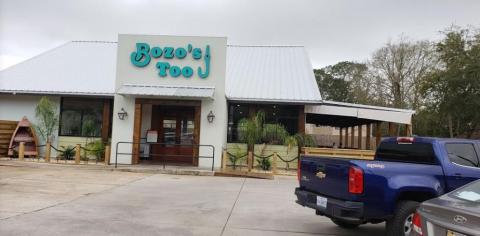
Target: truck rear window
421,153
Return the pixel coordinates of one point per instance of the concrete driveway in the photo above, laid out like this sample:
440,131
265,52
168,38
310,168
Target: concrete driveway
56,201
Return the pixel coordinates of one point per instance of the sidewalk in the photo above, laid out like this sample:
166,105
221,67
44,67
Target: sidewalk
141,168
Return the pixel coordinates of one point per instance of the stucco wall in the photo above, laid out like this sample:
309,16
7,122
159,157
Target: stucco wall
210,133
14,107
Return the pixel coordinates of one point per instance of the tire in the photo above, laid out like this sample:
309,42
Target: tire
345,224
398,225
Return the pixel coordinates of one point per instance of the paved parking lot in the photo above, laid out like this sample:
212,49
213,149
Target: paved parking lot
57,201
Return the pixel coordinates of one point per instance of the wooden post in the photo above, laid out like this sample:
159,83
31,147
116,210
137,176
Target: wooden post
340,142
105,120
352,145
107,155
21,151
77,154
392,129
137,129
360,137
48,149
301,119
250,161
274,163
378,133
408,130
368,137
346,138
224,160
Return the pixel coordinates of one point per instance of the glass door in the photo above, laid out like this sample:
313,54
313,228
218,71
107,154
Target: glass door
176,128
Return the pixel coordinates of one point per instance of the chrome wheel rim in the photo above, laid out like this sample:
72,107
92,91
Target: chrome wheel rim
407,227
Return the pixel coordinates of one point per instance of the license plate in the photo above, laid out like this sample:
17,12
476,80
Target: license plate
322,202
453,233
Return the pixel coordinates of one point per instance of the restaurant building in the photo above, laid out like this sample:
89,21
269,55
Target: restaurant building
174,99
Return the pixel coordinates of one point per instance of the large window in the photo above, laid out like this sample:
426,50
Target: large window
81,117
286,115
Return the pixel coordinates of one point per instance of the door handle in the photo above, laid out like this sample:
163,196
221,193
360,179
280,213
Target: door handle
458,175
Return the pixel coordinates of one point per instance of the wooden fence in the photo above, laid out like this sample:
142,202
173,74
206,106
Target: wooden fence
7,128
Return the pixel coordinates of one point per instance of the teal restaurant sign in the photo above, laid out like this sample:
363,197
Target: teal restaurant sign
144,55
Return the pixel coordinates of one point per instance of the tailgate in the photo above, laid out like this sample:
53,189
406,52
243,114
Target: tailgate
325,176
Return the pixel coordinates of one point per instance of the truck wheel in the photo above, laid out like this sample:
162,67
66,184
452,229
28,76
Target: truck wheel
345,224
401,223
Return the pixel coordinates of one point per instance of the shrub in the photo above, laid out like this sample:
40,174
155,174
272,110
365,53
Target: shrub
67,153
264,163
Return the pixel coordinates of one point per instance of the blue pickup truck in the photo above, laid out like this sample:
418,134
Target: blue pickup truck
404,172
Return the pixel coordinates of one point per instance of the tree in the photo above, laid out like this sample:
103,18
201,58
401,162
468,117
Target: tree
344,82
398,70
47,117
454,89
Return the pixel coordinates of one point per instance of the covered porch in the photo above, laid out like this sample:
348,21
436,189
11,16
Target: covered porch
360,126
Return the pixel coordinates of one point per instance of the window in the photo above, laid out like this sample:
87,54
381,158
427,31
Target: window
81,117
421,153
462,153
286,115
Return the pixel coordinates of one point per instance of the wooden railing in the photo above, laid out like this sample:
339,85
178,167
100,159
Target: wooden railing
341,153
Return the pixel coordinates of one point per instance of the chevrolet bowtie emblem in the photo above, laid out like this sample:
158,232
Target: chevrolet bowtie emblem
321,175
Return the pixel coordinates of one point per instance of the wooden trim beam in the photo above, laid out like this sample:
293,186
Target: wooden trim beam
196,133
106,120
168,102
137,129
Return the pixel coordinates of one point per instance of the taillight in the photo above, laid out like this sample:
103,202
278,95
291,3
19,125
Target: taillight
355,180
299,165
417,223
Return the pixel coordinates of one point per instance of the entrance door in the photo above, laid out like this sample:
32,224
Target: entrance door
176,132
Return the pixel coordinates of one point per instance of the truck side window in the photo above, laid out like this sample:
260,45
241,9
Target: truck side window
462,153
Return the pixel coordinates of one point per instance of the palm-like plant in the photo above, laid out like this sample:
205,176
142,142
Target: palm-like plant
250,130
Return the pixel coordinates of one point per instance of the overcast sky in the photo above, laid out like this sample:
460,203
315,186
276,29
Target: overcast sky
331,31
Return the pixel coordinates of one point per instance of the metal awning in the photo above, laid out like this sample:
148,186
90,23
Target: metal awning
167,91
341,114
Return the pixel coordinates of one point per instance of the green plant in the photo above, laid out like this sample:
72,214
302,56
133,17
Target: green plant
97,149
47,117
67,153
264,163
15,153
274,134
235,157
305,140
250,130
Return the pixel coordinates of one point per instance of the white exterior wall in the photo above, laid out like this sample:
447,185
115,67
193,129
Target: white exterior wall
210,133
15,107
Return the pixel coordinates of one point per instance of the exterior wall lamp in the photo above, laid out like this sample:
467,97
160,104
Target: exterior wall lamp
122,114
210,117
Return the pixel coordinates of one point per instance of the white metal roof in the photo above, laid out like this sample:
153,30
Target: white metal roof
377,113
76,68
270,74
167,91
281,74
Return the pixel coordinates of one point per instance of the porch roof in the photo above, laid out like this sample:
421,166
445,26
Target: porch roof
339,114
168,91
